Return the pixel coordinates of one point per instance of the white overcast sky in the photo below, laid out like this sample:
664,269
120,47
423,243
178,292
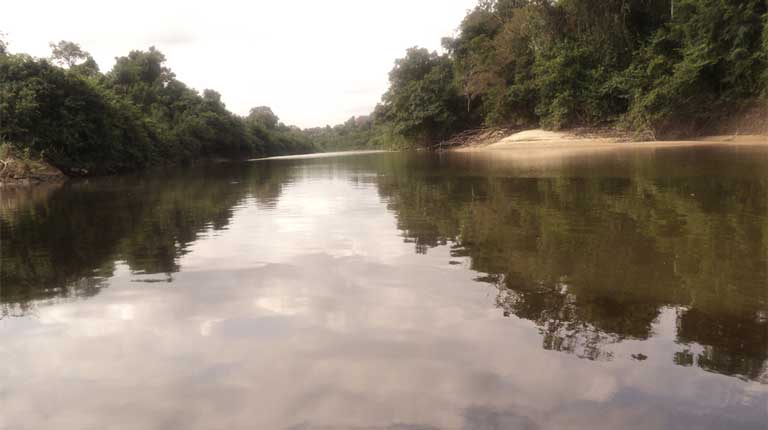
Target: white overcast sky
314,62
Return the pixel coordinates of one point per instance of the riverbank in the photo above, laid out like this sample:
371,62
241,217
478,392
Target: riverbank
553,141
21,171
745,126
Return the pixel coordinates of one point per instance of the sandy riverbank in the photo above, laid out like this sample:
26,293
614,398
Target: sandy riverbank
553,141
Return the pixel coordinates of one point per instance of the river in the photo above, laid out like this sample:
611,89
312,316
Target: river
593,290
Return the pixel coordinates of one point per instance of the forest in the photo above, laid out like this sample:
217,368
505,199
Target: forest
64,110
655,69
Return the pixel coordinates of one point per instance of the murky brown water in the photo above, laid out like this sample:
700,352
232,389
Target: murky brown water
624,289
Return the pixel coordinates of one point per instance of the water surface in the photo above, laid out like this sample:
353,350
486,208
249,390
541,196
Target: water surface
619,289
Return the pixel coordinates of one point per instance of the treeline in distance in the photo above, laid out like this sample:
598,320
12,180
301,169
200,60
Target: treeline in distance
64,110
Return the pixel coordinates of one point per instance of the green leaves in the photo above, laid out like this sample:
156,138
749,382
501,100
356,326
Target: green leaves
705,62
67,53
74,121
586,62
135,116
263,115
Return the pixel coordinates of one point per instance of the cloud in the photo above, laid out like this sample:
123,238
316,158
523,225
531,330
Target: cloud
171,38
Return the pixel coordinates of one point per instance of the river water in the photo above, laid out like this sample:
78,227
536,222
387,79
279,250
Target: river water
586,290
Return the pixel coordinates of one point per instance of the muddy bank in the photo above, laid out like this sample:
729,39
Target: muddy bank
15,171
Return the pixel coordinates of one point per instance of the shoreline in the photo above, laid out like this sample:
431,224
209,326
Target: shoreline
16,172
24,172
546,141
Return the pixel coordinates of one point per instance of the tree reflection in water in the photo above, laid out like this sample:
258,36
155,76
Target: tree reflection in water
593,259
591,251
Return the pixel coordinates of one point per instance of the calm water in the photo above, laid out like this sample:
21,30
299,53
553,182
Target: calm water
624,289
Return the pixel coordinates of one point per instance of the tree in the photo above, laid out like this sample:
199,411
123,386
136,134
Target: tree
263,115
135,116
88,68
3,44
422,101
143,77
493,56
77,124
147,67
67,54
703,63
765,55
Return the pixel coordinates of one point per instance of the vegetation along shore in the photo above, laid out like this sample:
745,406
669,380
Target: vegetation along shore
645,70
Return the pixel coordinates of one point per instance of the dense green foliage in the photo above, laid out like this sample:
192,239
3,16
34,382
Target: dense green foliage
355,133
422,103
136,115
658,68
645,65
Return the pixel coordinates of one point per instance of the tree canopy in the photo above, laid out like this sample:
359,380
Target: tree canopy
135,115
646,66
67,53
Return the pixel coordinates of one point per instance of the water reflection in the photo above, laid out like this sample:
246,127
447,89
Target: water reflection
64,243
215,281
592,259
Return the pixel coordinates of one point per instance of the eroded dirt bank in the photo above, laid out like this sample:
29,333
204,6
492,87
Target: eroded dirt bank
15,171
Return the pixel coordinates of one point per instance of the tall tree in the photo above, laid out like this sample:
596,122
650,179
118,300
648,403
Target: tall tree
67,54
263,115
423,102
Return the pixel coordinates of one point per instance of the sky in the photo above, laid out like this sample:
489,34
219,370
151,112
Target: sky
313,62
